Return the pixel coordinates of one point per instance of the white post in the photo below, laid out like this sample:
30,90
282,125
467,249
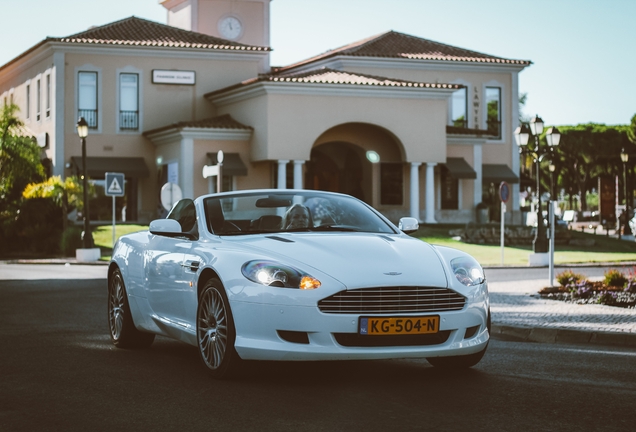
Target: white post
298,174
430,192
502,229
282,174
415,190
114,220
552,236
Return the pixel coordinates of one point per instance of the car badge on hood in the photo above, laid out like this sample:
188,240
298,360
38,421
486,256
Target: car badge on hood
393,273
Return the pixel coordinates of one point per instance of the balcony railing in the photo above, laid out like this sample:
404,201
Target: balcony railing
128,120
460,123
90,116
494,128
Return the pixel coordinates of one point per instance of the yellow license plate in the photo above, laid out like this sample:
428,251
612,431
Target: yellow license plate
399,326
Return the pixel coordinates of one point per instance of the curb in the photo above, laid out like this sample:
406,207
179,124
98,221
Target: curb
552,335
58,261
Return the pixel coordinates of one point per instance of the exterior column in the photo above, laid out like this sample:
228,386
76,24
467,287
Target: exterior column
298,174
282,174
430,193
415,190
477,158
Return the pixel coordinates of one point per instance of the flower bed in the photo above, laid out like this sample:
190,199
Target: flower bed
616,289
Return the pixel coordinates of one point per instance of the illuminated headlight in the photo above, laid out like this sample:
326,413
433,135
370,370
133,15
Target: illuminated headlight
468,271
276,275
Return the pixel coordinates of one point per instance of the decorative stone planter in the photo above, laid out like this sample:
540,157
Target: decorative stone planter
87,255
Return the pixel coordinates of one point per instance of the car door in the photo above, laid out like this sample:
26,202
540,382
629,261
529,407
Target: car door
168,284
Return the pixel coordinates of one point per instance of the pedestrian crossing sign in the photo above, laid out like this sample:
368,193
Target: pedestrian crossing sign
115,184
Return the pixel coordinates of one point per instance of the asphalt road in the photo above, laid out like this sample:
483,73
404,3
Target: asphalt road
59,371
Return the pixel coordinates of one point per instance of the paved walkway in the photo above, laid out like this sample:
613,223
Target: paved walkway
517,309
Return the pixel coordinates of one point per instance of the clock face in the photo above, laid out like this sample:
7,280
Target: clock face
230,27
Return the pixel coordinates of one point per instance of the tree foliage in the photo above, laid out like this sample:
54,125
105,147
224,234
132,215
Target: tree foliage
19,158
587,151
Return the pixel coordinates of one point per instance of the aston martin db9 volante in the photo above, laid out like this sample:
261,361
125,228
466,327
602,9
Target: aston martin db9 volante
295,275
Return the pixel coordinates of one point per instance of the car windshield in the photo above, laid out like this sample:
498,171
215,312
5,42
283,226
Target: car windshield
271,212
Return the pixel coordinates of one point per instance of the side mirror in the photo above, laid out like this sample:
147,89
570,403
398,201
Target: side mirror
408,225
166,227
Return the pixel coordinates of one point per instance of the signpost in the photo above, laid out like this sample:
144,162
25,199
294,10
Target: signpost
215,170
115,188
504,195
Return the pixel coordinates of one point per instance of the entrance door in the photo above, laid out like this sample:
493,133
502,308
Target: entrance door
340,167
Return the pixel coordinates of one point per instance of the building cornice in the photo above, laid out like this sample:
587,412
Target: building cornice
175,135
261,88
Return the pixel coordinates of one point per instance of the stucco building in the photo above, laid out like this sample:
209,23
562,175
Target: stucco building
411,126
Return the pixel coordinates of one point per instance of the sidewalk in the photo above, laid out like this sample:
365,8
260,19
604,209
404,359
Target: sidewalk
518,312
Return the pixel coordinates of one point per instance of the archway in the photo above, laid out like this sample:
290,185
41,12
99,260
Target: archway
341,159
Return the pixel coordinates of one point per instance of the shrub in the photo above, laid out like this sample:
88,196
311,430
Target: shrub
615,278
71,240
568,277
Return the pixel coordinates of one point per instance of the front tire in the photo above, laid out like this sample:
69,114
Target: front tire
457,362
216,333
464,361
123,332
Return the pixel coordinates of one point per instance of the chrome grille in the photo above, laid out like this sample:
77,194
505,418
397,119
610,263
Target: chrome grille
391,300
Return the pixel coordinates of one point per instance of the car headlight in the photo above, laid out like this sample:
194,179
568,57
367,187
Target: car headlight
274,274
468,271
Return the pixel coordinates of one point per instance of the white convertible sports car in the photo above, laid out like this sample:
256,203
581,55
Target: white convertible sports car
295,275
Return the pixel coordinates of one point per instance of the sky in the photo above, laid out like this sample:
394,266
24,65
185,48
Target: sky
584,67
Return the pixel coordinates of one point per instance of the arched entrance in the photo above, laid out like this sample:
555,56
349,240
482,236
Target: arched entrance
340,160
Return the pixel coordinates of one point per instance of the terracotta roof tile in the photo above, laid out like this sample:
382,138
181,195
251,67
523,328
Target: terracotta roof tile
398,45
140,32
332,76
220,122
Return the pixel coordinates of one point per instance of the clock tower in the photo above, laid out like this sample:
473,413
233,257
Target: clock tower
244,21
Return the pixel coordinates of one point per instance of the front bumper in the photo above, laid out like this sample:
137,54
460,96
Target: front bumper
258,328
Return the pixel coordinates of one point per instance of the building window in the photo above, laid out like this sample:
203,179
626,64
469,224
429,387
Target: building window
38,100
28,102
459,108
128,101
493,105
87,101
391,183
450,188
48,96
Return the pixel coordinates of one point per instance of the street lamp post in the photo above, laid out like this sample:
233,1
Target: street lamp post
522,135
625,159
82,131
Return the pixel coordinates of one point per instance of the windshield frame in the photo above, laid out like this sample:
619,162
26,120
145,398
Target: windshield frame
266,212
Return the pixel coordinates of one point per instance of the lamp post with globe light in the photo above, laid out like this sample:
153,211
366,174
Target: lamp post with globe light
82,131
553,136
625,159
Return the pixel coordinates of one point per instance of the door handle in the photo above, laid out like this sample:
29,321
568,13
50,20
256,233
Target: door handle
193,265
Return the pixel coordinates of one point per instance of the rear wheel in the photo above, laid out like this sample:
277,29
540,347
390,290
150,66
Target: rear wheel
216,333
123,332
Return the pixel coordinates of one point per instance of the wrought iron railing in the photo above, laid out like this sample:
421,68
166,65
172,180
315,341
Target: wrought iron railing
128,120
494,128
90,116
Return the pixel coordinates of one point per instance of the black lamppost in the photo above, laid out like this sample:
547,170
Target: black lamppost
522,135
82,131
625,159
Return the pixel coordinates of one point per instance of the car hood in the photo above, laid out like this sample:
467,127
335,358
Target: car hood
357,259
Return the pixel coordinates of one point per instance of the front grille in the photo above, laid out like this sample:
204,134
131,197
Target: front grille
391,300
358,340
